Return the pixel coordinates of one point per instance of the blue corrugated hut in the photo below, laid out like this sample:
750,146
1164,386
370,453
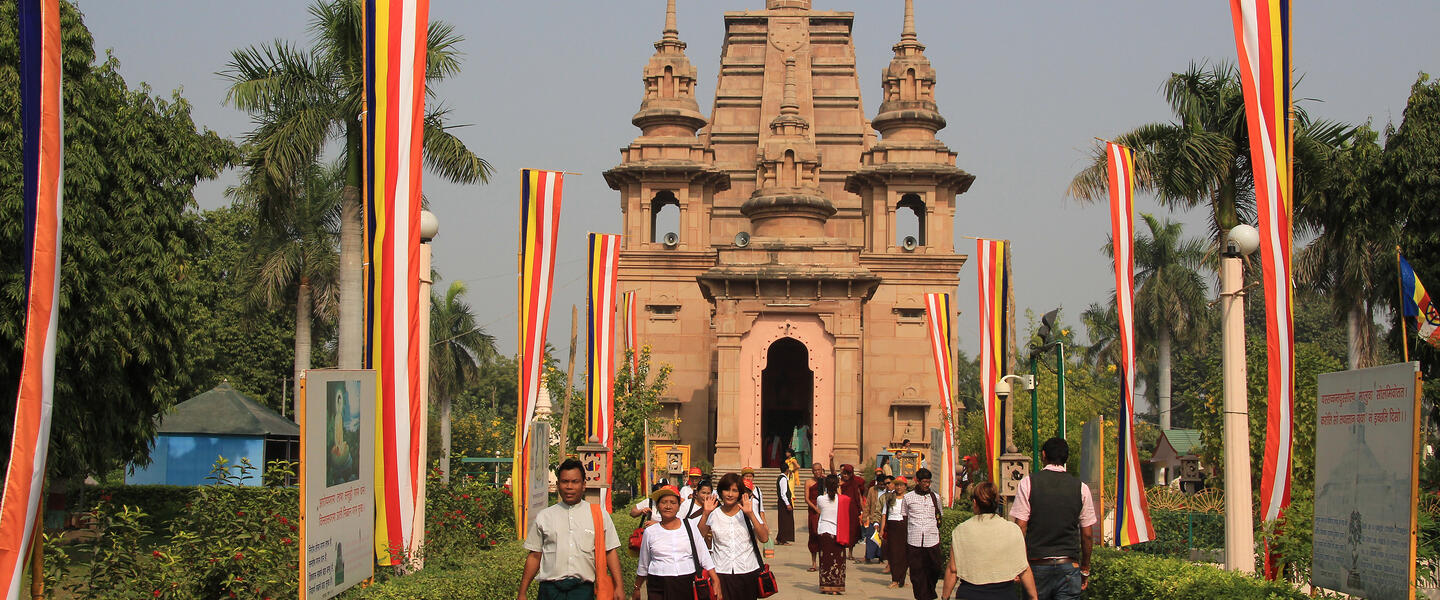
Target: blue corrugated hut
219,423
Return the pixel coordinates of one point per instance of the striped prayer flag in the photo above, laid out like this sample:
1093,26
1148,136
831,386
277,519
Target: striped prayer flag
993,302
540,193
937,309
1417,304
395,44
41,144
627,310
1262,40
1132,513
600,408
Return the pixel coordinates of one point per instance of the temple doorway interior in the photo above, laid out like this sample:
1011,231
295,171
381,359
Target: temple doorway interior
787,393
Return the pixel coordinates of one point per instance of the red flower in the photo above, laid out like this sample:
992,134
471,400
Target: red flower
156,594
285,541
284,521
157,554
239,556
465,496
239,513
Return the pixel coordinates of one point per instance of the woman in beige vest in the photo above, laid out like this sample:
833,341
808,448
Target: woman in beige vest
987,554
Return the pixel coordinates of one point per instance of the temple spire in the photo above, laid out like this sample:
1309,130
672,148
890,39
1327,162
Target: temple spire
671,31
908,33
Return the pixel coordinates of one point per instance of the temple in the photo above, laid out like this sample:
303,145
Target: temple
780,250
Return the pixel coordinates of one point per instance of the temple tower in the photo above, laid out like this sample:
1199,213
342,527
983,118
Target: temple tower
785,302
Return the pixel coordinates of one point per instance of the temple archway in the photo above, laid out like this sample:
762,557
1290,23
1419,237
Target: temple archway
803,350
787,392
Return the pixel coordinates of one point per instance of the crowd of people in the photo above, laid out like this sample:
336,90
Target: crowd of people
704,539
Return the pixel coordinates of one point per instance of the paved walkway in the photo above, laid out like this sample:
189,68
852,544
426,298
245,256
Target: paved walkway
861,581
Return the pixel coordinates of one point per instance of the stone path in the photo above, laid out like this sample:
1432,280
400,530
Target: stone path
861,581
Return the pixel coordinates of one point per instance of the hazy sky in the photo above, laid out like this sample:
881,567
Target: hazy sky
1025,85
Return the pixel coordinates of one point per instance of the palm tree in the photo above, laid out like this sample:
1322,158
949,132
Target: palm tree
459,351
1203,155
302,100
1349,260
292,257
1170,295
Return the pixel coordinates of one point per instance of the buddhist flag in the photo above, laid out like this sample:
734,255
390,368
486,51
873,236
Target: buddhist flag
540,193
1417,304
1132,512
993,302
395,42
41,143
627,311
937,309
600,407
1262,40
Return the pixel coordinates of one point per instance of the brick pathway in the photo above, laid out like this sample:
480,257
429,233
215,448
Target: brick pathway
861,581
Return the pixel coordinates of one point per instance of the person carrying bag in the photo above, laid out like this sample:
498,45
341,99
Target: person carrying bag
732,523
670,564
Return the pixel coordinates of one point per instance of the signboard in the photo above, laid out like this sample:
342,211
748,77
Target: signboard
1365,481
337,472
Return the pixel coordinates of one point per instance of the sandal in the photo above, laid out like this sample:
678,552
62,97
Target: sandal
812,569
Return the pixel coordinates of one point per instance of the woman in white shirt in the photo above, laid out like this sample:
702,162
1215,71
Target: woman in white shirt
987,554
832,554
672,553
734,531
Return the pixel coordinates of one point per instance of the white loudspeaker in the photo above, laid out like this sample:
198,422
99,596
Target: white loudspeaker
911,243
671,240
742,240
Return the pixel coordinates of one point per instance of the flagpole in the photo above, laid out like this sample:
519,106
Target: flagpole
1404,333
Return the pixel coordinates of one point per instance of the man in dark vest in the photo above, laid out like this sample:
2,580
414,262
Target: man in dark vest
1056,513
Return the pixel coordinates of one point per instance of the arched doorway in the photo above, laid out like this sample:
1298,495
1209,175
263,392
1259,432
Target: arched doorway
787,392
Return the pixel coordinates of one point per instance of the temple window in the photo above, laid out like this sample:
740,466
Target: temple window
910,219
664,216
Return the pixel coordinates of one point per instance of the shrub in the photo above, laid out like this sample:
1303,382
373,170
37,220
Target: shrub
465,515
1121,575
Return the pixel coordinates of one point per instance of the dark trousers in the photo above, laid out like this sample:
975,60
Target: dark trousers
896,551
566,589
1057,582
786,525
925,570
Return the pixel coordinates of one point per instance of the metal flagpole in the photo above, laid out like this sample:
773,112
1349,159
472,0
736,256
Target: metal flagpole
1060,392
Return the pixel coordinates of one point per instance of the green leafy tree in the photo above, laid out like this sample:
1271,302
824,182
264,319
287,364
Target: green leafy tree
1410,190
1202,156
126,293
458,350
303,100
292,260
1169,296
637,403
228,337
1349,261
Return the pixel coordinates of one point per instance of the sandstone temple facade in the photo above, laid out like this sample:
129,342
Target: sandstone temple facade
780,249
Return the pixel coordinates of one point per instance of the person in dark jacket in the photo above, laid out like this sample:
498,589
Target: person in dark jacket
1055,511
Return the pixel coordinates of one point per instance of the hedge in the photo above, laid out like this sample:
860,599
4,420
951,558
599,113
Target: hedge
489,574
1121,575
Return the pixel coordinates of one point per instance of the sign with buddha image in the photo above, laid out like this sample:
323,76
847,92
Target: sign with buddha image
337,472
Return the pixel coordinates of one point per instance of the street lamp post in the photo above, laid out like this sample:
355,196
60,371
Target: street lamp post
1047,334
428,228
1239,518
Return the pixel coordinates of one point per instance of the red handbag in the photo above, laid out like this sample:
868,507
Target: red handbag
766,584
638,536
701,583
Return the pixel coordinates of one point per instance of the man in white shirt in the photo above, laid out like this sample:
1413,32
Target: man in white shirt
1054,510
785,506
922,533
562,544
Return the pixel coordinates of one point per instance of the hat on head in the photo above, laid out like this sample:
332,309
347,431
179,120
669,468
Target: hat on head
847,468
901,479
664,491
694,472
879,470
747,471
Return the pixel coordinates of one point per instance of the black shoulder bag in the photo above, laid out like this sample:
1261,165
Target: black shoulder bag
701,583
766,580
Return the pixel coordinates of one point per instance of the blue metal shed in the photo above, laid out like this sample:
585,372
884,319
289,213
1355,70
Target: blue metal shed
219,423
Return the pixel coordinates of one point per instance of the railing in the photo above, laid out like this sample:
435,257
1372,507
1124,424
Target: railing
491,471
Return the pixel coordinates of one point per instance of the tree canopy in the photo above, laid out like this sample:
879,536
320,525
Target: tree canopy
127,284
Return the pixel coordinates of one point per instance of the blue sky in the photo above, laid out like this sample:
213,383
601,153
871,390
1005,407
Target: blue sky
1025,86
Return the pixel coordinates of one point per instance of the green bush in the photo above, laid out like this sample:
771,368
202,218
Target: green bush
1178,531
466,514
492,574
1121,575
